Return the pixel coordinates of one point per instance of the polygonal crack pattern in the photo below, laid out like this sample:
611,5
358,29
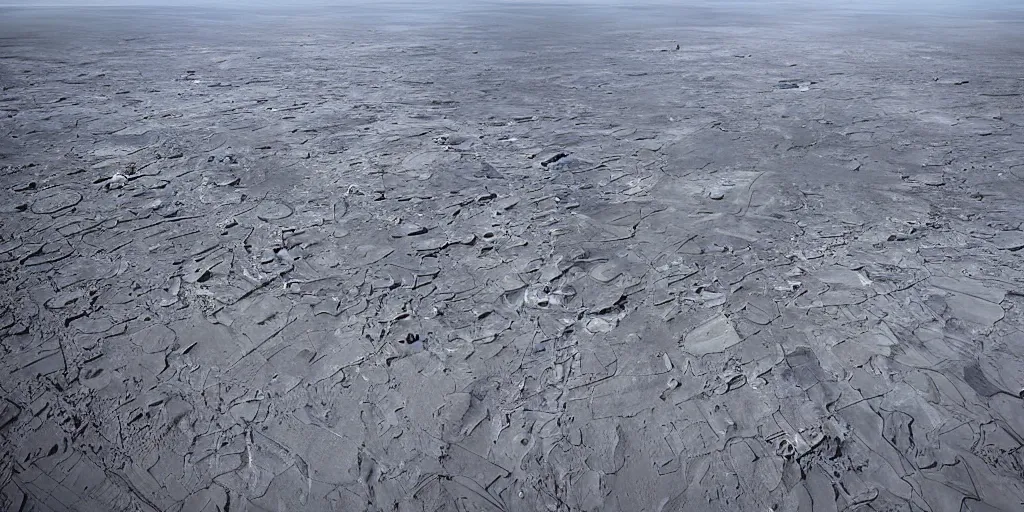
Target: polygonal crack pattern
326,265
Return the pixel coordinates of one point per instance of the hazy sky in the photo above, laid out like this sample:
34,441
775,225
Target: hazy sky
904,4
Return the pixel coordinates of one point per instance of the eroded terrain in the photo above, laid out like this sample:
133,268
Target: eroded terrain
543,258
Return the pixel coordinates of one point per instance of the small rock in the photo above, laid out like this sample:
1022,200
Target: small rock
790,286
716,194
116,181
552,158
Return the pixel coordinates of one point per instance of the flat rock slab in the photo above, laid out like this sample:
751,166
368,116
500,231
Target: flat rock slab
931,179
1009,240
53,201
713,336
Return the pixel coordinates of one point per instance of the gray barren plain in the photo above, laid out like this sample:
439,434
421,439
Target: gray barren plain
512,257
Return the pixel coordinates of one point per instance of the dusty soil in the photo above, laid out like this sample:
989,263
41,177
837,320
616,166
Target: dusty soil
511,258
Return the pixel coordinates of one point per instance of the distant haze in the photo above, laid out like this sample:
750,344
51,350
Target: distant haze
815,13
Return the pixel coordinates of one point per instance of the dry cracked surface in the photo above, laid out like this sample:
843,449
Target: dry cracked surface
533,258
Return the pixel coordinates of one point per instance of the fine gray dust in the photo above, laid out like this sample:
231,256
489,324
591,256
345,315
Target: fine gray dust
512,256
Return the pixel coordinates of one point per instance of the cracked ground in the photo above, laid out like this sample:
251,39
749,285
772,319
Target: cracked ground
511,258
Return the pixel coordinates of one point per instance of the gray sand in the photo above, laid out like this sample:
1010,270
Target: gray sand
511,257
